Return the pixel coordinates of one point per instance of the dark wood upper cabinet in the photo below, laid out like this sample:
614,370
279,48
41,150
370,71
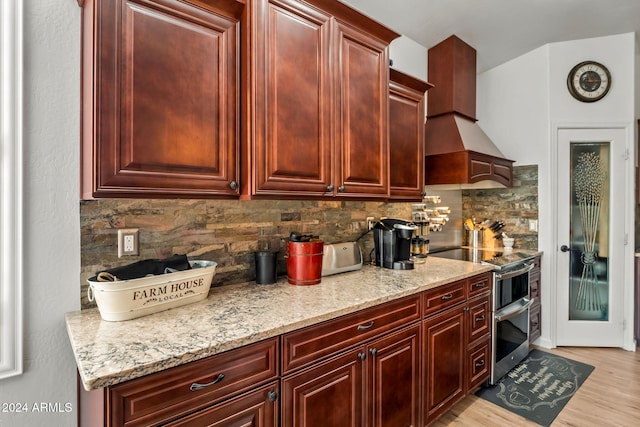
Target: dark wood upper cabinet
238,98
160,104
290,141
316,121
362,140
406,136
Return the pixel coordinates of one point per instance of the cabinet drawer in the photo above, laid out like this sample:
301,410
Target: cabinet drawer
442,297
479,359
534,323
534,284
177,391
479,284
255,408
479,318
302,347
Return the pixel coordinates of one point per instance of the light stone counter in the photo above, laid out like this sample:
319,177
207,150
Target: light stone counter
232,316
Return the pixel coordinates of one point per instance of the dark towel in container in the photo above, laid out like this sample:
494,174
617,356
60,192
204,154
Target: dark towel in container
147,267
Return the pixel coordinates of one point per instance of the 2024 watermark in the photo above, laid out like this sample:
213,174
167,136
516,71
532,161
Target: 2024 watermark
35,407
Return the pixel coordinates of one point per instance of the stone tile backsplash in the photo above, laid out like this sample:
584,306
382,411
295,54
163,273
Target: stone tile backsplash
229,231
225,231
516,206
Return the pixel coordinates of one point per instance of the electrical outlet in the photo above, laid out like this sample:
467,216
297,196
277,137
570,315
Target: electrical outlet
370,222
533,225
128,242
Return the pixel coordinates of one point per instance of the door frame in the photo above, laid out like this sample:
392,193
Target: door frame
629,227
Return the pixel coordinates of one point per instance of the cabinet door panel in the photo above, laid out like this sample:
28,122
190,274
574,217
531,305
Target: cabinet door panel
166,103
328,394
395,361
406,142
363,93
293,83
444,361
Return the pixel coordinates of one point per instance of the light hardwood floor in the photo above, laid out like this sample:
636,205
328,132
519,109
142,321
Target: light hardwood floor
609,397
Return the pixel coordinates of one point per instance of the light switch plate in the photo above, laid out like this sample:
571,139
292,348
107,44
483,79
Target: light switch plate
128,243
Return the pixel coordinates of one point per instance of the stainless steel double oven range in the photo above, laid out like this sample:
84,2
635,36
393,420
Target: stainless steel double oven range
511,303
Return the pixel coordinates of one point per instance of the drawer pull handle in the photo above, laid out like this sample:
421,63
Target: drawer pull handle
365,327
197,386
480,318
480,364
447,297
480,285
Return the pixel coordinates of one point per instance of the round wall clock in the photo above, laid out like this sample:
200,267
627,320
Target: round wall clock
589,81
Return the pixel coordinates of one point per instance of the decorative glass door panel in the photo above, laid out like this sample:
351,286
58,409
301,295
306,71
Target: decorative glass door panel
591,198
589,232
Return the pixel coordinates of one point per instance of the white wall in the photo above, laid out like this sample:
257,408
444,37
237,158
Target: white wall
52,226
409,57
520,104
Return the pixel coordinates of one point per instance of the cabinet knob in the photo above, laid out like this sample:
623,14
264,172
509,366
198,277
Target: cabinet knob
362,356
233,185
373,351
330,188
272,396
341,189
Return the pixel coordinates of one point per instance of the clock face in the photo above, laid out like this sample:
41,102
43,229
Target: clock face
589,81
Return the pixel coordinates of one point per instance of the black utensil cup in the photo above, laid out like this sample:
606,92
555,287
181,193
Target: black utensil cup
266,263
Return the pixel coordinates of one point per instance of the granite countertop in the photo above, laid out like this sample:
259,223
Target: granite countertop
232,316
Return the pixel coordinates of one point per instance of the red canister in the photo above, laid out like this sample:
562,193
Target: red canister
304,262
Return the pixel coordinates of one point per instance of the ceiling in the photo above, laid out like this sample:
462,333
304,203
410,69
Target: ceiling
501,30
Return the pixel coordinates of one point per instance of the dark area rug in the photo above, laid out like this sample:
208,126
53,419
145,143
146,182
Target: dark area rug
539,387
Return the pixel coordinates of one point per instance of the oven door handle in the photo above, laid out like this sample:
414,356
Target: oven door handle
508,314
510,274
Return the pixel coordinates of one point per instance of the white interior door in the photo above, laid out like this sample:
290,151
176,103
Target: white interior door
591,237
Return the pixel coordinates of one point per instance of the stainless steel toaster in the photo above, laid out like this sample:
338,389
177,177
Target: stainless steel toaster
341,257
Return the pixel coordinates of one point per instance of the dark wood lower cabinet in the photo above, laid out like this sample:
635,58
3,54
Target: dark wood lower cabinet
328,394
456,356
373,385
403,363
535,314
443,362
394,379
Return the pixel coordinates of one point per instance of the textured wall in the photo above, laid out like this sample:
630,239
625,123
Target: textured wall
225,231
46,390
516,206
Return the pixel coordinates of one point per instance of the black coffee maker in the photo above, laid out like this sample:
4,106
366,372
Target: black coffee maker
392,241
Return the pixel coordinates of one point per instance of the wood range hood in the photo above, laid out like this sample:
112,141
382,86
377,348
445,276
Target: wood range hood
459,155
